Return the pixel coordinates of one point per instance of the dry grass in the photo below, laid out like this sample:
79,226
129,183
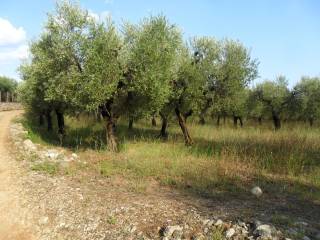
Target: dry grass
222,160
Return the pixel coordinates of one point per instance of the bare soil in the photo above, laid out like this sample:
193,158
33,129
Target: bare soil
12,216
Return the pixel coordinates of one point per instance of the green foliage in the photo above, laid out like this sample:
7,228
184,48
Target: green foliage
196,69
102,66
308,98
7,84
274,95
152,49
47,167
233,72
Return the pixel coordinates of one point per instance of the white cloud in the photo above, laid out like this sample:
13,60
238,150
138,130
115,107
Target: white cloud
10,54
9,34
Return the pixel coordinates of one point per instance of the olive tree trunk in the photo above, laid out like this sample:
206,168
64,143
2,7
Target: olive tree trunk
183,126
311,122
218,121
41,120
110,135
60,121
153,121
187,114
130,125
164,125
241,122
49,120
235,121
276,120
110,123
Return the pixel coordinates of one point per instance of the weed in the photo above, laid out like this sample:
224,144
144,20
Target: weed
50,168
112,220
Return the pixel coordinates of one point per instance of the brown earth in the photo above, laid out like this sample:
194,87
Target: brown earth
12,215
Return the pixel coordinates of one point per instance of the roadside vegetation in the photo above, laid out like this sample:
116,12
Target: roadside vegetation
138,101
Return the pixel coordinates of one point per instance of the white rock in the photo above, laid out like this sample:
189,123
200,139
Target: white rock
28,145
306,238
219,222
230,232
168,231
265,231
52,154
74,155
256,191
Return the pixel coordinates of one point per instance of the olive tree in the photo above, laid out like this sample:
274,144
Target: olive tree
235,69
195,63
239,107
275,97
255,108
308,98
31,92
151,51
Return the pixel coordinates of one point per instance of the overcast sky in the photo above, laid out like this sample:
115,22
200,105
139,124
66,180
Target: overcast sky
283,34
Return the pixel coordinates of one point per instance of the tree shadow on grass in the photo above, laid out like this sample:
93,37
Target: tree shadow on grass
90,136
228,195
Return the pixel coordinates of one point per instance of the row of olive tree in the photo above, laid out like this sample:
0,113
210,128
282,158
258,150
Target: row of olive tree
274,100
79,64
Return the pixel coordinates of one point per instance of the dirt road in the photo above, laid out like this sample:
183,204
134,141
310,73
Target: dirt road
13,223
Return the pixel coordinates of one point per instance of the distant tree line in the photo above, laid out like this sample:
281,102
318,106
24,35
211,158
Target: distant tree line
80,64
8,88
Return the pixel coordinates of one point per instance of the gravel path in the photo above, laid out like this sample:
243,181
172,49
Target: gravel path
13,217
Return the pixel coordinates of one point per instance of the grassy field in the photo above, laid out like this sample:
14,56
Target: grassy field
223,161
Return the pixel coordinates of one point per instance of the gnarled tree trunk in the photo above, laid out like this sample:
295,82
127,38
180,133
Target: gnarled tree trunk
110,123
110,132
60,120
235,121
153,121
276,120
241,122
311,122
164,125
130,125
41,120
183,126
49,120
218,121
187,114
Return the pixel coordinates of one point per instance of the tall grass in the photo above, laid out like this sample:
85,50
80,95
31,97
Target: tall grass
222,160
